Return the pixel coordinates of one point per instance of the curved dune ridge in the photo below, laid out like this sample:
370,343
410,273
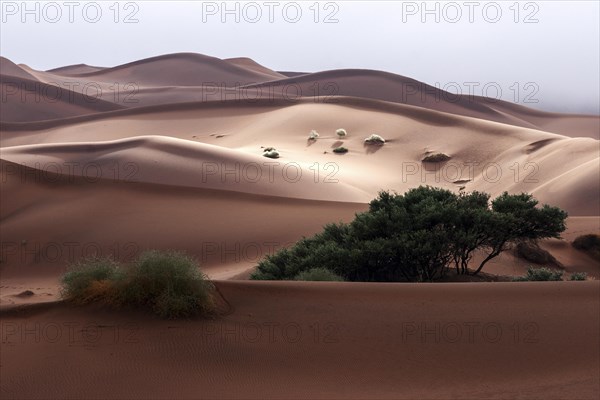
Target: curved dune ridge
171,161
176,162
519,159
145,82
76,69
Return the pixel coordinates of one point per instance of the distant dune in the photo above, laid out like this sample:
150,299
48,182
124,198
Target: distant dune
167,153
195,77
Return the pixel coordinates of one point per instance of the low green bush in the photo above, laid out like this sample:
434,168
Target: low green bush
318,274
578,276
166,282
90,279
540,274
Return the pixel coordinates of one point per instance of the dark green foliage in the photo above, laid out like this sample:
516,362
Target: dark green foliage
168,283
417,236
77,282
540,274
578,276
589,243
318,274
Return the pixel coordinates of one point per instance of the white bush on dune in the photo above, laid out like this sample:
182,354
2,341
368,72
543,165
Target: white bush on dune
271,154
313,135
341,133
375,139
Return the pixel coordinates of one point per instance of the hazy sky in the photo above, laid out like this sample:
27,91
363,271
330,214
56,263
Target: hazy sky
544,51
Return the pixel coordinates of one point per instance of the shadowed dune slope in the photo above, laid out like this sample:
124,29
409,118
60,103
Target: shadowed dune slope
121,218
31,100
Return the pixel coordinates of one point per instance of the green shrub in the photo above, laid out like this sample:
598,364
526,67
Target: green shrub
166,282
341,133
169,283
540,274
436,157
418,236
87,280
340,150
589,243
578,276
375,139
313,135
318,274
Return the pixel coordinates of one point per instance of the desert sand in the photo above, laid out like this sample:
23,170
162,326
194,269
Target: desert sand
166,153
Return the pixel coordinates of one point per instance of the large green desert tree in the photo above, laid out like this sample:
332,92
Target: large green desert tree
418,236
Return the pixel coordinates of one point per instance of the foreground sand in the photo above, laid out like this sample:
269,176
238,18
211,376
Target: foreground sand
320,340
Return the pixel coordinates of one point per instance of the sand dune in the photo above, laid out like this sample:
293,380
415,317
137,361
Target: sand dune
76,69
194,77
396,88
519,159
26,98
248,63
9,68
169,161
186,69
121,217
182,167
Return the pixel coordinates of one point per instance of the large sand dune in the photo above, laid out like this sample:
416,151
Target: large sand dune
182,167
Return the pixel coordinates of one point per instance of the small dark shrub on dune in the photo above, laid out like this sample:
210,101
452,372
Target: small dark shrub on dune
578,276
437,157
318,274
166,282
540,274
340,150
588,243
